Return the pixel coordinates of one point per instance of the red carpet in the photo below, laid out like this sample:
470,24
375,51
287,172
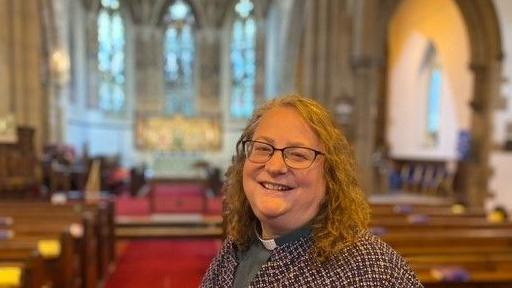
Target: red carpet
178,198
170,198
133,206
177,263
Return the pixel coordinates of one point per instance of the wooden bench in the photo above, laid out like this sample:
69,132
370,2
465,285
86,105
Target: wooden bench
479,279
440,244
31,267
100,215
81,230
444,210
94,248
59,267
384,225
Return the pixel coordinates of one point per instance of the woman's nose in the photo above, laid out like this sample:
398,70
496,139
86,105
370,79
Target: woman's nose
276,163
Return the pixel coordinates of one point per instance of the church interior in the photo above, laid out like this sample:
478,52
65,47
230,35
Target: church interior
119,119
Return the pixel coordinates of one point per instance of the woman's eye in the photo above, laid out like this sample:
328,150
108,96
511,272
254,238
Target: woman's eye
262,149
298,155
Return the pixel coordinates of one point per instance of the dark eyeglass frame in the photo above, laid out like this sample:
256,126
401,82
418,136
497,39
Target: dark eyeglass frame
274,149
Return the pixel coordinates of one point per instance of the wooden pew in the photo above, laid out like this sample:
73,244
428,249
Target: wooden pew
80,228
479,279
31,266
383,225
97,223
420,218
59,268
441,242
417,243
101,216
442,210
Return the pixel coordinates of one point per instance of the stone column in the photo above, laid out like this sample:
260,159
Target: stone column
209,47
325,68
91,57
149,95
341,70
23,61
366,63
285,25
475,179
7,97
58,67
259,90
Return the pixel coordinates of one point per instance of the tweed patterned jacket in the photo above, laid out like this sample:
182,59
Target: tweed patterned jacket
369,263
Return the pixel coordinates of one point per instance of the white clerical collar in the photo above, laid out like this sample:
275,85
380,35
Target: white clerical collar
269,244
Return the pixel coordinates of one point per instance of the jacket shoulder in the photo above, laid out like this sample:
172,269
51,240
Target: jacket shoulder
370,262
221,271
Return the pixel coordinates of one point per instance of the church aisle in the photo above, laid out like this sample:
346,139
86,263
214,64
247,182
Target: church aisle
162,263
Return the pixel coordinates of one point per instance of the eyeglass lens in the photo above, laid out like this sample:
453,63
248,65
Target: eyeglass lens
294,157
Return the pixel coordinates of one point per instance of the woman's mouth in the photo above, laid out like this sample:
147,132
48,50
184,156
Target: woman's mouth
275,186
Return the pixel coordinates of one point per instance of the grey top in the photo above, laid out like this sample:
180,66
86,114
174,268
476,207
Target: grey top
253,259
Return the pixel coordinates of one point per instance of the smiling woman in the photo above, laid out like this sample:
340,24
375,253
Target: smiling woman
284,198
295,214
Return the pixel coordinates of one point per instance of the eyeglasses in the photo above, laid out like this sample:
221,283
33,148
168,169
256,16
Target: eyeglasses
294,157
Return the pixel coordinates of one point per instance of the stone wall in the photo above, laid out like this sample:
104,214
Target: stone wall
22,85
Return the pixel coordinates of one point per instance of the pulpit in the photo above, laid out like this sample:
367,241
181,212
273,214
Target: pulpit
18,165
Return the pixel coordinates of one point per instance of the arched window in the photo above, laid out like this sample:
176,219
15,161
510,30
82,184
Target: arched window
179,55
434,104
434,75
243,60
111,57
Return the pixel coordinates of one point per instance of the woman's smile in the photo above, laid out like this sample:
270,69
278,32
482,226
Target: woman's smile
275,186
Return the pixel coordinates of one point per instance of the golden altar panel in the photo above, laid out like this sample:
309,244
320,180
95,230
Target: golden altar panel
177,133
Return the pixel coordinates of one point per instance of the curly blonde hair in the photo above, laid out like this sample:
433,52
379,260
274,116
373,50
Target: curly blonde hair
343,215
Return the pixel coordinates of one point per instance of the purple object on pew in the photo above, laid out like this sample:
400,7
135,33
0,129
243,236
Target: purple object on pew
402,209
418,219
6,221
6,234
450,274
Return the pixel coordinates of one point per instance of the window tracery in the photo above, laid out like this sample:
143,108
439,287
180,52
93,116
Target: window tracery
111,57
243,60
179,59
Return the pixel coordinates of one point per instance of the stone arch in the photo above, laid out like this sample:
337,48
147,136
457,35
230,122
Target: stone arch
485,63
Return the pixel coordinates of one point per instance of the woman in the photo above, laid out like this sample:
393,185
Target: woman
295,215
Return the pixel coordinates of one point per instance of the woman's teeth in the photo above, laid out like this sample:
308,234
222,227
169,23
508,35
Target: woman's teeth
273,186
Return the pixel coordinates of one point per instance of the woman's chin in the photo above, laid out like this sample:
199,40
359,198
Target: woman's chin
272,211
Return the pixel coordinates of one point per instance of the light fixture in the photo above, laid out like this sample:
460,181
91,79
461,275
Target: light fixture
60,65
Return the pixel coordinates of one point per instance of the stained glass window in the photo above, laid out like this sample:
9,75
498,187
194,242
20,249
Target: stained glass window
179,55
434,78
243,60
111,57
434,104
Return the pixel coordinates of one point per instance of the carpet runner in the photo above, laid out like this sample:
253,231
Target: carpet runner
178,263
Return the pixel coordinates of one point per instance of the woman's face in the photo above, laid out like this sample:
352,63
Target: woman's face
284,198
